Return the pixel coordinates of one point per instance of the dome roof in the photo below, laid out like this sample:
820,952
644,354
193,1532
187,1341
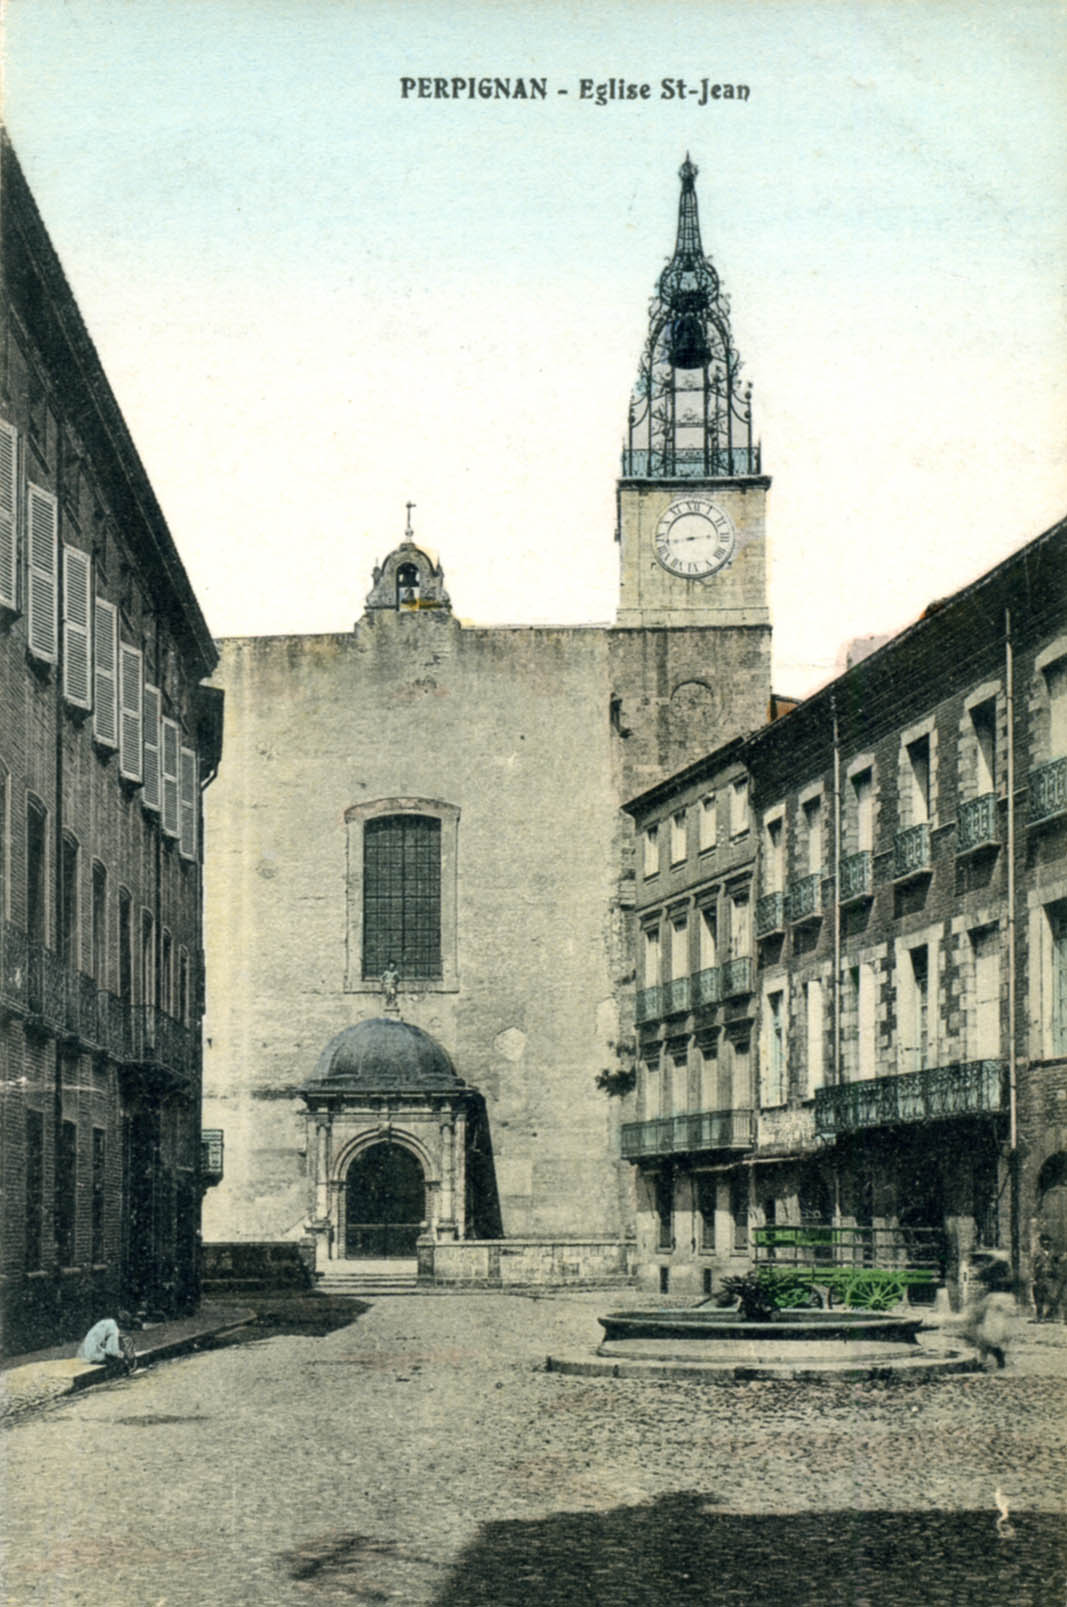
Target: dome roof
386,1055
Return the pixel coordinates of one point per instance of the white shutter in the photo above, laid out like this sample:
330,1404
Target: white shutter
42,632
9,523
187,804
169,770
131,684
77,648
105,656
152,710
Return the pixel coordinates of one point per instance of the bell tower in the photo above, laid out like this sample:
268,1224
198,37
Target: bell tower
691,496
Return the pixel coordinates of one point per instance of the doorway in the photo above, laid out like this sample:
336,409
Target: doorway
385,1203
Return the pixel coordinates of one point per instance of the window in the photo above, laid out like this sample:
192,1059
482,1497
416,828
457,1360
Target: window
816,1048
708,824
740,925
66,1191
36,871
918,777
105,673
859,1045
68,903
148,958
985,1027
774,856
679,838
42,596
99,936
150,795
741,1077
739,807
184,1001
813,835
651,972
739,1210
984,723
913,1002
706,1190
867,1023
9,525
679,947
664,1187
97,1250
707,939
170,746
678,1075
77,643
863,811
131,713
402,896
34,1190
1056,683
188,794
651,850
1057,933
166,961
774,1085
125,947
651,1080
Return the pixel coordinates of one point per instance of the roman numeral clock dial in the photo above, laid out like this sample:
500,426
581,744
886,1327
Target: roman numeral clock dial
695,538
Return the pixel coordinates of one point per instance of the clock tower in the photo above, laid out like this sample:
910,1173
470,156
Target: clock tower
691,496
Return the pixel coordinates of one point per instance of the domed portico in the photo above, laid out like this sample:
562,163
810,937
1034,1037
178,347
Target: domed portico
389,1126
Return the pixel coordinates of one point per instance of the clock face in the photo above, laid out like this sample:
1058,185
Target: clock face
694,538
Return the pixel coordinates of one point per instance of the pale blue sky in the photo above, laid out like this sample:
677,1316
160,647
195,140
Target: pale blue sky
315,300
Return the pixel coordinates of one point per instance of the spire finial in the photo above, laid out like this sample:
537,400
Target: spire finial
409,534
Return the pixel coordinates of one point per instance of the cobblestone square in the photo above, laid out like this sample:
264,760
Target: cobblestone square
421,1455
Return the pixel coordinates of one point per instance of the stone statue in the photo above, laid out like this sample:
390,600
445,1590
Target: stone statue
391,985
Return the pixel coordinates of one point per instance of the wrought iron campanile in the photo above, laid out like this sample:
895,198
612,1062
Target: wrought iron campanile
689,418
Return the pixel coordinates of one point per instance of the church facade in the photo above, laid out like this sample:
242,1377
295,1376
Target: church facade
420,880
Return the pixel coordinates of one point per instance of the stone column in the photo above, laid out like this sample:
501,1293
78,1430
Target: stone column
446,1222
460,1206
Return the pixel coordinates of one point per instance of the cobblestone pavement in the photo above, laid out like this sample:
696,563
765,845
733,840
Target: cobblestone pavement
420,1456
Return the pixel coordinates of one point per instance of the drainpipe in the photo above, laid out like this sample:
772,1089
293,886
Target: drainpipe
1013,1093
837,891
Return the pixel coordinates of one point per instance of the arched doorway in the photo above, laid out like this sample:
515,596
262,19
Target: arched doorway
1052,1200
385,1203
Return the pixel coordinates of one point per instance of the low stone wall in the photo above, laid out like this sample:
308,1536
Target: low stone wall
546,1263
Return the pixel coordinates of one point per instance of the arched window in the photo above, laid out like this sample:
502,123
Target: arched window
407,586
402,896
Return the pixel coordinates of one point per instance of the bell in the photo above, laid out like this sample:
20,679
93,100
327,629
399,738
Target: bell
688,346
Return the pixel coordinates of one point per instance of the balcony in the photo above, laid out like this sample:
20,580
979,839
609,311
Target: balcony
969,1088
46,988
649,1004
911,853
803,901
769,919
681,1135
1048,792
676,996
707,986
976,827
210,1156
13,968
857,877
737,977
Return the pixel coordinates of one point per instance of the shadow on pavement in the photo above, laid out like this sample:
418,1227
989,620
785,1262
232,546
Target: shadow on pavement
679,1549
307,1315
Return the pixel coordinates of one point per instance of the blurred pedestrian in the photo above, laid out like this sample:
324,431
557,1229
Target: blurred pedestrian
1043,1279
989,1317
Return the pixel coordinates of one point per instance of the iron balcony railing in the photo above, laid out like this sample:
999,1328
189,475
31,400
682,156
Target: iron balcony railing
689,463
737,977
14,967
803,901
707,986
1048,791
911,852
46,992
681,1135
857,877
211,1149
769,915
967,1088
649,1003
676,996
976,825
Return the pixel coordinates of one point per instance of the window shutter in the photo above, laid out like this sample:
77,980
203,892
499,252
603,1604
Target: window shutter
131,683
169,768
105,655
77,649
42,572
152,711
9,524
187,804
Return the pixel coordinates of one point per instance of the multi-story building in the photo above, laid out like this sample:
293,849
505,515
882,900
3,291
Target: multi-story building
106,739
909,998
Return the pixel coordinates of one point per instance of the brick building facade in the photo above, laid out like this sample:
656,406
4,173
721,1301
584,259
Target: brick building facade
106,738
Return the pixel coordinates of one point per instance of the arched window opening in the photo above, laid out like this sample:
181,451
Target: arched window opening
407,586
402,897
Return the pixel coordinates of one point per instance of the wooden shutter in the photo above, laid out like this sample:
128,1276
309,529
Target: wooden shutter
169,774
131,685
187,804
152,711
9,523
41,506
77,646
105,665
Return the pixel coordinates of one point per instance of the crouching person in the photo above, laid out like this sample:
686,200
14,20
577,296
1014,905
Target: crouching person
990,1316
105,1344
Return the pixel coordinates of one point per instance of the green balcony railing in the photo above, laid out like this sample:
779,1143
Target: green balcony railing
676,996
976,825
649,1003
1048,792
737,977
769,915
803,901
707,986
857,877
681,1135
911,852
968,1088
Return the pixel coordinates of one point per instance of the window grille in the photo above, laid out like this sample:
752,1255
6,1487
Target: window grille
402,896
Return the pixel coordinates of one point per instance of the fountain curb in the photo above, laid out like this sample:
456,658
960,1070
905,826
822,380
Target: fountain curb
911,1369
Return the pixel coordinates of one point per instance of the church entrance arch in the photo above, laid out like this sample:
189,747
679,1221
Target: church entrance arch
385,1202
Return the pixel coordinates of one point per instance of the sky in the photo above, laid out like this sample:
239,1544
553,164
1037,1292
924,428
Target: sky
316,298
